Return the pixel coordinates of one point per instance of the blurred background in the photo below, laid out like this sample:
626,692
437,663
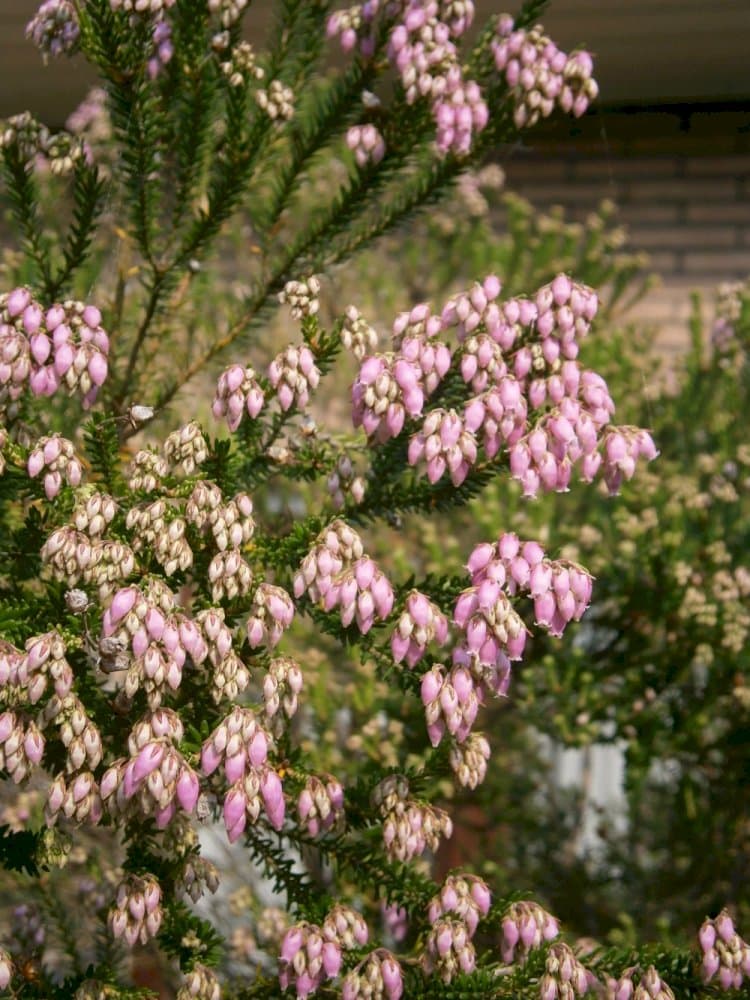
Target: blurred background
668,140
613,790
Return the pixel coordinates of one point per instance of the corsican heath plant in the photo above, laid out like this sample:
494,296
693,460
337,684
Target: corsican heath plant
151,599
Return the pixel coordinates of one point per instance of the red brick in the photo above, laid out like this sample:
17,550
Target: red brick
723,262
677,189
530,165
685,144
561,194
664,262
633,215
681,237
712,123
623,168
732,166
730,211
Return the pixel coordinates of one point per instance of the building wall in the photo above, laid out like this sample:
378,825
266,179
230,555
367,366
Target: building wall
681,179
645,50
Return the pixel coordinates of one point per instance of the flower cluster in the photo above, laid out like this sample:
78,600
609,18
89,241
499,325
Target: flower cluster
367,144
362,593
389,387
271,615
186,447
469,759
228,11
385,392
450,701
228,674
200,984
78,799
357,335
91,123
74,557
494,635
54,29
62,346
725,954
540,75
56,456
634,984
308,957
281,687
348,23
444,444
533,397
409,827
301,296
320,804
345,926
78,733
422,49
197,875
731,301
162,48
560,589
449,950
137,914
24,134
25,676
231,522
420,623
565,978
277,101
147,471
465,895
343,482
525,926
454,915
395,920
237,391
21,745
378,976
293,374
237,741
155,780
230,575
160,638
242,65
147,8
258,787
150,527
242,744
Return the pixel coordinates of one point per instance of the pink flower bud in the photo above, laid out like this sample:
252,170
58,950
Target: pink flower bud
235,804
432,683
258,750
122,604
291,944
390,970
707,935
710,964
331,955
273,798
17,301
149,758
35,463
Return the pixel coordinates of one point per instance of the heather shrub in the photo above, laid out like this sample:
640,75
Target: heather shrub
198,609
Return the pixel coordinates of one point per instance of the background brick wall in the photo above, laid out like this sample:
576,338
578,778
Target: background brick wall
681,180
